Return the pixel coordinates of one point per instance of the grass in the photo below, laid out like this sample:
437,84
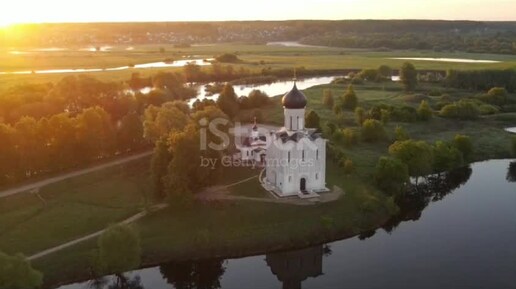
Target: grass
272,56
72,208
236,228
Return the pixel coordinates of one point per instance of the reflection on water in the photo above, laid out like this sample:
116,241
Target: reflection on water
457,230
293,267
511,129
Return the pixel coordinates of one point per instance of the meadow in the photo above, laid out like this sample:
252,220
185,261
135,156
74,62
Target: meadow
254,58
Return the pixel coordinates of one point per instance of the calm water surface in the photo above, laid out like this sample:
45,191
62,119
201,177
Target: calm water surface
460,232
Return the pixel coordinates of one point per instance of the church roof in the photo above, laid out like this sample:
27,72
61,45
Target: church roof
297,136
294,99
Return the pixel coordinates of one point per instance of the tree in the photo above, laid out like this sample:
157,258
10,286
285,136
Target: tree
348,166
130,132
228,101
417,155
350,137
159,165
424,112
463,144
119,249
385,72
391,175
349,100
160,121
328,100
446,157
313,120
372,130
408,76
360,116
17,273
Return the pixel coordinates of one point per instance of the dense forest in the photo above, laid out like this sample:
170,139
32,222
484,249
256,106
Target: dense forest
470,36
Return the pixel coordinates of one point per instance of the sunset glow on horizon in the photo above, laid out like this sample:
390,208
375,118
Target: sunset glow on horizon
37,11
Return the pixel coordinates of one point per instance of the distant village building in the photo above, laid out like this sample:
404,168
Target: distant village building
296,157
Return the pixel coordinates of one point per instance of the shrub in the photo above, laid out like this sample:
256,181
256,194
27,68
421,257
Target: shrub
17,273
496,95
360,116
417,155
404,114
313,120
328,100
228,58
488,109
424,112
372,130
350,137
119,249
464,145
463,109
386,116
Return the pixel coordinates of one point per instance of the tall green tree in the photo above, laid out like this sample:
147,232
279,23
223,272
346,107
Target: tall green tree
17,273
408,76
313,120
160,121
228,101
349,100
417,155
360,115
446,157
159,166
391,175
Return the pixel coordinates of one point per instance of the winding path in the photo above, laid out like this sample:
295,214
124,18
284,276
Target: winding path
39,184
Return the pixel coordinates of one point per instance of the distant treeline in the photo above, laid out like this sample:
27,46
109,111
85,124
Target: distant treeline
471,36
482,79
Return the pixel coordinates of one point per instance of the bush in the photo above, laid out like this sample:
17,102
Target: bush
391,175
424,112
496,96
312,120
404,114
360,116
328,100
463,109
417,155
372,130
486,109
17,273
385,116
464,145
350,137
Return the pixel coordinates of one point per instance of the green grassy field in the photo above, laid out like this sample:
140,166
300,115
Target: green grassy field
72,208
272,56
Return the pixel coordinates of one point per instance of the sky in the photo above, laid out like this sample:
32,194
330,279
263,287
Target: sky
23,11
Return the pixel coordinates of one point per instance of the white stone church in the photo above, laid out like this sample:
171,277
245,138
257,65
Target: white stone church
296,156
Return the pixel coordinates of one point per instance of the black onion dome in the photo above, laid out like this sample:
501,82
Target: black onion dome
294,99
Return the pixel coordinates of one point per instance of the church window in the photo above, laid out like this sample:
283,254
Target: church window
317,154
303,155
289,179
290,123
316,176
288,157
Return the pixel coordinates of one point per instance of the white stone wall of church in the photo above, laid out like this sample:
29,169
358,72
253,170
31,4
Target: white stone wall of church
288,178
294,119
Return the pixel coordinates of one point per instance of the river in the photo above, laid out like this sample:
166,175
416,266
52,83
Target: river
458,232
